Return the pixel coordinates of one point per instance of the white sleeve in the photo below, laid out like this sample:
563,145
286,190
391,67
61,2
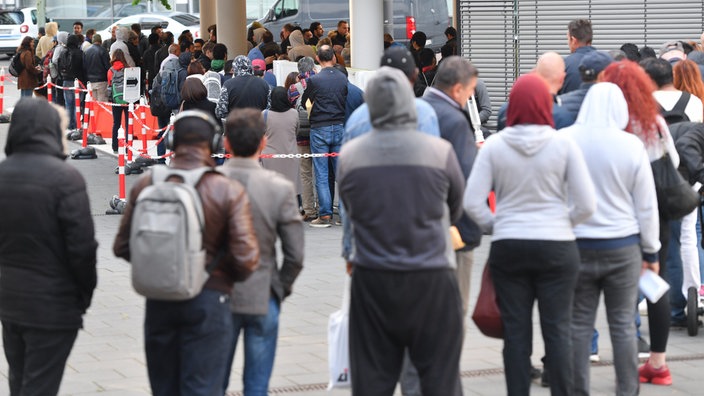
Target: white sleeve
478,187
582,195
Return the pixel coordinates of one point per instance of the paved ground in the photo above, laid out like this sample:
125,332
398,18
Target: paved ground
108,357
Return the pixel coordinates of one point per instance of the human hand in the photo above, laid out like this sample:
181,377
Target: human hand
655,267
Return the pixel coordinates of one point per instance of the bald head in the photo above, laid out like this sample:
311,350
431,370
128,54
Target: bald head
551,67
174,49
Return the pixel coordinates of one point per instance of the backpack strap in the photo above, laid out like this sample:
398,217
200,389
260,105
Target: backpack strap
681,104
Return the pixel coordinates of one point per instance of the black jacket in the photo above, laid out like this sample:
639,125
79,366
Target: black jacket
328,92
96,63
47,243
73,45
149,61
689,141
456,128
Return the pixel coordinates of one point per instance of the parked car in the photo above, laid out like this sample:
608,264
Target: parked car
402,18
14,26
174,22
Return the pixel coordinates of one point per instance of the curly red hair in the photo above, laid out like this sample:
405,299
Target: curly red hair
688,78
637,88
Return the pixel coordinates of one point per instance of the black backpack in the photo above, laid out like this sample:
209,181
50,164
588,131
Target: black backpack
156,103
677,114
16,65
65,63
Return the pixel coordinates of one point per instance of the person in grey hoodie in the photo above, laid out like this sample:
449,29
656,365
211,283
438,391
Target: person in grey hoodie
543,189
121,36
619,240
402,189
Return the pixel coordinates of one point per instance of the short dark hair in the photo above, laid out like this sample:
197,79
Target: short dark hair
314,26
451,31
153,38
169,38
341,68
244,130
79,23
339,23
419,38
647,52
427,56
631,51
137,28
185,45
581,29
289,27
326,53
193,131
199,40
454,70
267,36
208,46
155,28
659,70
219,51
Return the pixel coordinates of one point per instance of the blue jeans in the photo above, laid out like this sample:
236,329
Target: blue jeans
260,335
674,273
70,103
327,139
186,344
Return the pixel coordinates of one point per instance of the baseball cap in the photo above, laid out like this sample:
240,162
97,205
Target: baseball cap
593,63
671,50
258,64
399,58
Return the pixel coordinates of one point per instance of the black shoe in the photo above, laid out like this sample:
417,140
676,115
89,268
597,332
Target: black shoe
535,373
545,379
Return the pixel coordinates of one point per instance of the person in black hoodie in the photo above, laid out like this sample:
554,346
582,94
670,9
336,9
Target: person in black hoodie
47,249
149,58
71,66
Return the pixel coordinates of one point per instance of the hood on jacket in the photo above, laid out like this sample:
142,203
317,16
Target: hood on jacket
51,28
185,59
122,34
40,135
534,100
62,37
73,41
257,35
296,38
391,100
528,139
604,107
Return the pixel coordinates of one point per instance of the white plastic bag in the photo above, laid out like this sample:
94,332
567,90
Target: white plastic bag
338,343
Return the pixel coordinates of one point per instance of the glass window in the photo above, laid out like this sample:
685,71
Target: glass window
11,18
285,8
34,17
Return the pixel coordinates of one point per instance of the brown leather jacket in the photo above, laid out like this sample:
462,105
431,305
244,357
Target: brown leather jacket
228,220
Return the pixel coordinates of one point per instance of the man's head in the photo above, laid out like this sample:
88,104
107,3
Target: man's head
174,49
592,64
168,38
400,58
457,78
305,66
78,27
450,32
286,30
97,39
213,32
659,70
631,51
326,56
342,28
208,49
219,51
194,128
307,35
137,28
418,40
198,44
113,32
427,57
244,132
317,29
672,51
159,31
551,67
153,39
579,33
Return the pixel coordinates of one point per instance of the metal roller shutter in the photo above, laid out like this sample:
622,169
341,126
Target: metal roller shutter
541,25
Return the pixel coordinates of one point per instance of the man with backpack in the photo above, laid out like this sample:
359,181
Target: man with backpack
256,303
188,326
71,68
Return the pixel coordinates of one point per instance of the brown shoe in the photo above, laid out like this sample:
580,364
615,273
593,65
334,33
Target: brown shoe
322,222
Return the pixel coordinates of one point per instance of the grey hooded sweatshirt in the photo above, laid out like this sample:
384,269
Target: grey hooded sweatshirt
402,189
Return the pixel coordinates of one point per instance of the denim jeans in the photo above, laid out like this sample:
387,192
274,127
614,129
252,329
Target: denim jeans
162,121
524,271
70,103
614,272
324,140
674,273
260,336
186,344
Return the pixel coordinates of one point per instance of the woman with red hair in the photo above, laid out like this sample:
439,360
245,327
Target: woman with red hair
688,78
543,189
645,122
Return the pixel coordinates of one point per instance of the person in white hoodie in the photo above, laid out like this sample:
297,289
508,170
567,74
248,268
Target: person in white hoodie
543,189
619,240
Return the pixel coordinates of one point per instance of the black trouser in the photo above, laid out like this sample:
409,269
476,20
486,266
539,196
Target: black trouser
523,271
394,310
659,313
117,115
36,358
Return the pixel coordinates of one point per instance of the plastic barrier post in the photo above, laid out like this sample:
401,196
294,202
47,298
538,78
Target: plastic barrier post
49,84
86,112
130,130
2,90
121,162
143,118
91,121
77,93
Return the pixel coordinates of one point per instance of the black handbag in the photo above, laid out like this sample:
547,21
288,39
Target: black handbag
676,198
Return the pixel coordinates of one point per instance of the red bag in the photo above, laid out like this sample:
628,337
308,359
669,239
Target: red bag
486,314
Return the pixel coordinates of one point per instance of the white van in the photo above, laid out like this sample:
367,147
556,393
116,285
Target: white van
402,18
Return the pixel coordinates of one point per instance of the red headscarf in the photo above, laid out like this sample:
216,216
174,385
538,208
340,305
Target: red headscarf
530,102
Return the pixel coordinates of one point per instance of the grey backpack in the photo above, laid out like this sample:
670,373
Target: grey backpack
166,238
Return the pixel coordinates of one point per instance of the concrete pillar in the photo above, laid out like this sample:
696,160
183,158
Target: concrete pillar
232,26
367,33
207,17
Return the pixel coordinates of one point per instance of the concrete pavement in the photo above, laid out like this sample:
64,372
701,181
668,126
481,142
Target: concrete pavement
108,357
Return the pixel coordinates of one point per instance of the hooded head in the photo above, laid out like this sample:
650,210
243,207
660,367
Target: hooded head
73,41
296,38
62,37
534,101
122,34
51,28
391,100
604,106
242,66
39,135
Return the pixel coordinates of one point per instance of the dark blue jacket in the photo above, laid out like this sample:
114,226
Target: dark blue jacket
328,92
355,98
573,78
566,114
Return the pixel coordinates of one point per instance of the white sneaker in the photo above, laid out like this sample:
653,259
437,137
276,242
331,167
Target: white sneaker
643,308
594,358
